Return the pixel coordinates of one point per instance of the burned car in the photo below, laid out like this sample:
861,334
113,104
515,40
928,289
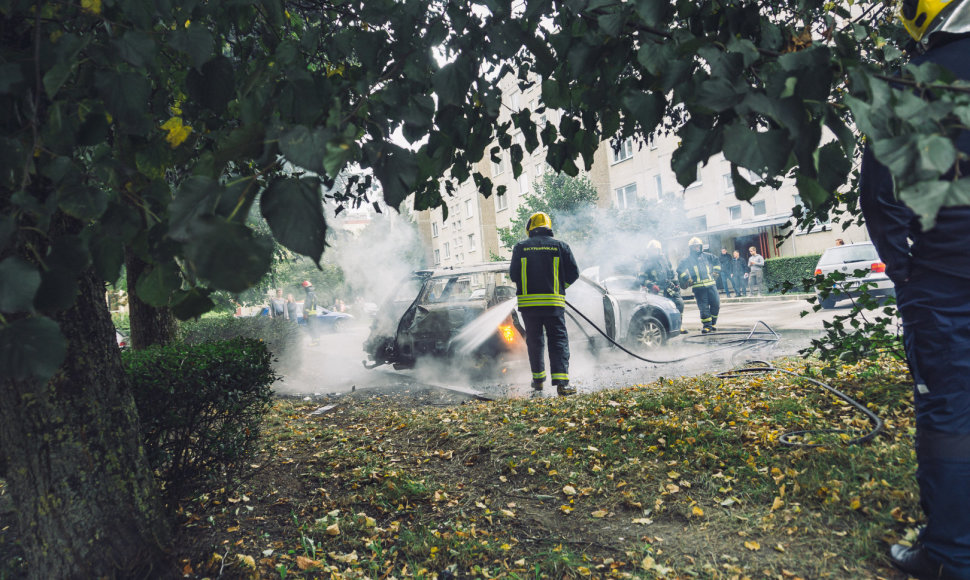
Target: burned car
469,315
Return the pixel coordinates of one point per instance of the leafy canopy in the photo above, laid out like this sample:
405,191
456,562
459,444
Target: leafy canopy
158,126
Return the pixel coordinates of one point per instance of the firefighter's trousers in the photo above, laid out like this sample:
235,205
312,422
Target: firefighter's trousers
676,298
537,328
708,302
936,332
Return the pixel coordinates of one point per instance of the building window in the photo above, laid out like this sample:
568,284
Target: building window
499,168
626,196
501,202
759,208
437,256
652,142
734,212
515,101
728,184
524,182
471,243
625,152
434,229
447,252
469,211
660,186
458,223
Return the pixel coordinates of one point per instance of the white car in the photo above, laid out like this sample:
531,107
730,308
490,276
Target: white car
848,260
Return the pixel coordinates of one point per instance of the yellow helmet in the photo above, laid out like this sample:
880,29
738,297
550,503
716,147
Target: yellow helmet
539,220
695,241
654,245
919,16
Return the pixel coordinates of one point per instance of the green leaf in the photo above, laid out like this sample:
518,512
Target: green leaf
229,255
137,48
926,198
653,12
19,281
743,189
82,201
397,170
451,82
764,152
936,153
214,87
11,78
197,197
31,348
611,23
191,304
813,194
646,108
55,78
305,148
126,96
294,212
156,286
196,42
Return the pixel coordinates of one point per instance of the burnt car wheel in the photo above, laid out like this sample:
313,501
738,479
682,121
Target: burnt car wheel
647,333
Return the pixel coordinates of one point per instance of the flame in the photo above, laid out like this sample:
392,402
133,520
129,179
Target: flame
508,332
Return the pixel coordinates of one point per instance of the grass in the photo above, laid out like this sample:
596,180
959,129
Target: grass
682,478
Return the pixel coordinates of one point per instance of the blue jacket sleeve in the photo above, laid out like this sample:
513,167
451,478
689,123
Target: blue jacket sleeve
889,221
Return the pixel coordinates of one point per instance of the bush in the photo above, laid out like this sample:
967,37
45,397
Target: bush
779,271
121,322
201,407
280,336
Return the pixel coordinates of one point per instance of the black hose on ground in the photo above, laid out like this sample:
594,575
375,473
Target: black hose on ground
751,338
762,367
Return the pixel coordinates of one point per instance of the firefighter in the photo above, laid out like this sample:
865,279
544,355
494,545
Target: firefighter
310,312
542,268
699,271
658,277
931,271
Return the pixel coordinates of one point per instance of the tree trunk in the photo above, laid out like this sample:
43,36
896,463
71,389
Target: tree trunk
149,325
86,499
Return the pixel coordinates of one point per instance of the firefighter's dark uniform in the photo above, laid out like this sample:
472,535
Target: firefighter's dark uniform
542,267
932,280
310,314
699,270
657,271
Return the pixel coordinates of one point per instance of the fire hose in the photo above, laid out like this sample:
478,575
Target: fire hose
762,367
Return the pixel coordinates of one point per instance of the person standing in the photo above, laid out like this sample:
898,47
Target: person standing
277,306
756,265
658,277
739,272
698,271
932,279
310,312
292,309
542,268
726,281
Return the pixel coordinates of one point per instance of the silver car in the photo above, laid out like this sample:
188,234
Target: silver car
469,313
849,260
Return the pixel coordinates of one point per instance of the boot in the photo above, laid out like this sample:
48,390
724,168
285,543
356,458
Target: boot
563,388
537,385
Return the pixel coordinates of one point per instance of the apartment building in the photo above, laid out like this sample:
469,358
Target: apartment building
625,177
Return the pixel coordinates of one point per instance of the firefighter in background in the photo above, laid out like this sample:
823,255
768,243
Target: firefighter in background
310,312
699,272
657,275
542,268
931,271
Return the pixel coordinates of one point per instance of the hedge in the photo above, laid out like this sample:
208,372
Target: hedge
200,407
792,270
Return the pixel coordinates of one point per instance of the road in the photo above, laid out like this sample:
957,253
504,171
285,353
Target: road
335,365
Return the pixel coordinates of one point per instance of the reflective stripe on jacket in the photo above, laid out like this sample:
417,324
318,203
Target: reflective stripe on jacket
699,268
542,268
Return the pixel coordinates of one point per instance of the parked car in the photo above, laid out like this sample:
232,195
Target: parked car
122,339
849,259
326,319
469,313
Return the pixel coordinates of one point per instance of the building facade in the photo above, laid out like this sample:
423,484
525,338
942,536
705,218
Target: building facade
631,174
